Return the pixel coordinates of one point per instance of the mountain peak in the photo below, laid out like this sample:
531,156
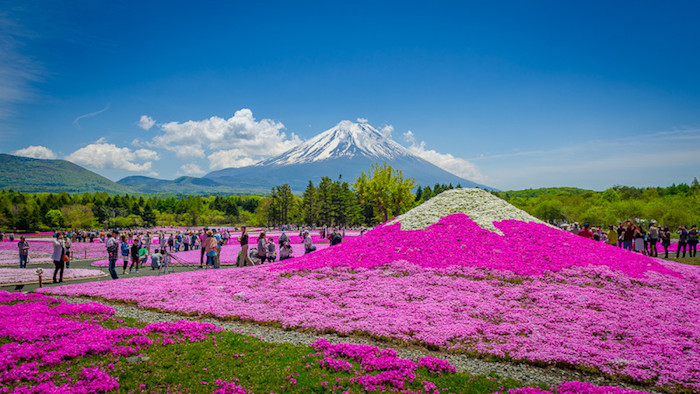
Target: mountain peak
346,139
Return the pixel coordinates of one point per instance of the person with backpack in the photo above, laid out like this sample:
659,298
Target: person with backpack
112,246
125,254
210,245
682,240
653,239
284,239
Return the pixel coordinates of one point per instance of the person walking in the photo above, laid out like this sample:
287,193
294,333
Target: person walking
23,247
57,256
682,240
112,246
693,241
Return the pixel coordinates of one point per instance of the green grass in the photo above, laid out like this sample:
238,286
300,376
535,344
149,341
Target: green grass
259,366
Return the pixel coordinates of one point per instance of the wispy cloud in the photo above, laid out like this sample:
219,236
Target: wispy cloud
658,158
89,115
18,71
448,162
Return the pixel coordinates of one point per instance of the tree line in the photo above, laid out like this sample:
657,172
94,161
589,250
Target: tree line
374,197
670,206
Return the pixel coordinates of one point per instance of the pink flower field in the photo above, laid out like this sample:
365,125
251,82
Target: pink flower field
535,294
229,254
29,275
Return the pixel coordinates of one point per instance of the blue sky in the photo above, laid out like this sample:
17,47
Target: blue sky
511,94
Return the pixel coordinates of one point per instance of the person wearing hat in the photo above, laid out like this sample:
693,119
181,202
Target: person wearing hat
585,232
653,239
23,247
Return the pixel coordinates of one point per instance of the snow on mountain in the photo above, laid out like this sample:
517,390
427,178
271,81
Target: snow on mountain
346,139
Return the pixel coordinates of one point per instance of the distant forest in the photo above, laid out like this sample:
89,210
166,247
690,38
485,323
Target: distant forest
669,206
331,202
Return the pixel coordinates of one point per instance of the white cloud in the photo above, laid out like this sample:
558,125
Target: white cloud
109,156
387,130
446,161
36,152
191,169
146,122
362,120
253,139
233,158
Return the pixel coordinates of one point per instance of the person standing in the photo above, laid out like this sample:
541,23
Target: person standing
112,246
124,247
665,236
23,247
612,235
693,241
58,254
161,241
628,236
202,238
262,248
653,239
639,240
682,240
210,246
243,255
134,251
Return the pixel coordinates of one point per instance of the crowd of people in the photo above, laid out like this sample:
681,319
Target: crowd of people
634,237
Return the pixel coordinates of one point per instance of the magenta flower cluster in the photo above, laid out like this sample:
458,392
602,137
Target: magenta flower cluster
574,388
43,331
378,369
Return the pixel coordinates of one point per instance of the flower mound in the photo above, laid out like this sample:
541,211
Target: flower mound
534,293
43,331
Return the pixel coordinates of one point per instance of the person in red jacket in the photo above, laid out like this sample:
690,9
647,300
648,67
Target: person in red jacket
585,232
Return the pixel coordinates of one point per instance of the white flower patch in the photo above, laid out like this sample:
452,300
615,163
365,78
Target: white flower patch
481,206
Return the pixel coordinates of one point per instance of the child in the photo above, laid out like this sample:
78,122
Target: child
143,255
125,254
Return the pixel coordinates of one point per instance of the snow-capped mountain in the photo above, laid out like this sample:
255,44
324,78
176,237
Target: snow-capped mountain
347,139
346,149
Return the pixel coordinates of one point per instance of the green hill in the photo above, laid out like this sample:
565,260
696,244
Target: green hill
52,176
